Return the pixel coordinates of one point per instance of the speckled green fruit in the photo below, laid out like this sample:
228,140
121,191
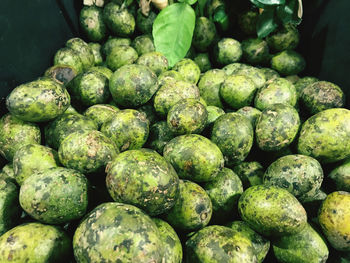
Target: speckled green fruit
159,136
269,73
96,51
285,38
143,44
241,69
322,95
83,50
55,196
33,158
251,173
341,176
103,70
119,20
145,23
194,157
204,33
156,61
115,232
272,211
227,50
233,68
277,127
133,85
10,210
260,244
68,57
61,73
16,133
192,209
255,51
288,62
171,92
334,218
128,129
298,174
87,151
171,242
113,42
120,56
251,113
247,21
38,101
101,113
149,111
233,134
216,244
91,22
57,130
188,69
238,91
224,191
303,83
278,90
305,247
35,242
209,86
8,173
326,136
213,113
203,62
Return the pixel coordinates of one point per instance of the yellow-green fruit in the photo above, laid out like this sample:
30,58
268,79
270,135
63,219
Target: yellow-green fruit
120,56
101,113
341,177
96,50
288,62
156,61
61,73
83,50
255,51
143,44
113,42
209,87
251,113
68,57
285,38
188,69
227,50
251,173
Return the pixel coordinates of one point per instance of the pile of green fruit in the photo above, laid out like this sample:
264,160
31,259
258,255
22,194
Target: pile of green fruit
114,156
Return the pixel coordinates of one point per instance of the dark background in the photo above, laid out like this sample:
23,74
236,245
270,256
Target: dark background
32,31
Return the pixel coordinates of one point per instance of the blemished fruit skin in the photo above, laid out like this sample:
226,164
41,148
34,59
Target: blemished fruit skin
113,42
16,133
145,23
143,44
35,242
192,209
171,242
194,157
55,196
115,232
325,136
61,73
83,50
269,73
188,69
334,218
227,50
285,38
216,244
277,127
251,113
91,22
288,63
133,85
307,246
251,173
303,83
233,134
341,176
103,70
68,57
87,151
121,56
209,87
204,33
159,136
101,113
254,73
119,20
143,178
33,158
38,101
96,50
272,211
255,51
156,61
203,62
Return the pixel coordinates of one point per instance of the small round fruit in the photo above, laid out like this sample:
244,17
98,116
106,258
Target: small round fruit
285,38
251,173
303,83
119,20
252,114
288,63
159,136
113,42
61,73
96,50
209,86
227,50
204,33
203,62
247,21
120,56
255,51
91,22
101,113
156,61
83,50
143,44
145,23
188,69
213,113
68,57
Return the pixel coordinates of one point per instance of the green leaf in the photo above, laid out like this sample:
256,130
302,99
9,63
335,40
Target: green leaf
201,5
173,31
257,3
190,2
272,2
221,18
289,12
266,23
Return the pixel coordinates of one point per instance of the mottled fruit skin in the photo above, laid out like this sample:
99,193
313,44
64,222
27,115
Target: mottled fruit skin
341,177
254,73
120,56
227,50
143,44
234,135
145,23
156,61
288,63
204,33
269,73
128,129
260,244
299,174
133,85
83,50
285,38
251,173
277,127
188,69
38,101
61,73
194,157
209,86
187,116
216,244
119,20
326,136
305,247
334,218
192,209
169,75
115,232
103,70
8,173
143,178
303,83
272,211
322,95
203,62
247,21
87,151
213,113
57,130
113,42
35,242
251,113
68,57
255,51
33,158
16,133
96,51
159,136
91,22
149,111
101,113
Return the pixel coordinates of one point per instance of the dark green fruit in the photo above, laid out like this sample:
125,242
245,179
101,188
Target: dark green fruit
83,50
303,83
68,57
159,136
55,196
143,44
38,101
101,113
285,38
120,56
8,173
272,211
209,86
288,63
143,178
227,50
145,23
269,73
251,173
156,61
113,42
91,22
62,74
252,114
119,20
149,111
103,70
133,85
96,50
203,62
247,21
204,33
255,51
35,242
341,177
188,69
194,157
